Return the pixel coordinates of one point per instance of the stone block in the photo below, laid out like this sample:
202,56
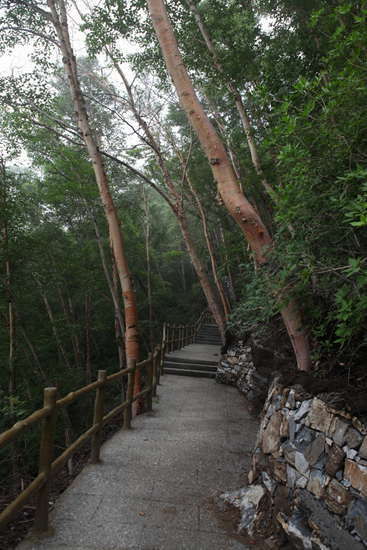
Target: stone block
335,460
284,428
329,527
350,453
297,529
357,518
317,483
337,497
303,410
360,426
301,482
356,474
337,430
247,500
353,438
292,476
268,482
301,463
280,470
295,458
291,400
314,449
363,449
319,418
271,435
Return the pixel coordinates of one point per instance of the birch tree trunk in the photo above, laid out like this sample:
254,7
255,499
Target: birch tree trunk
58,18
236,203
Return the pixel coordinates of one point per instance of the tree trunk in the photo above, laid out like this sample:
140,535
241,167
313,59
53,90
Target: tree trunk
147,256
236,203
87,338
74,336
245,120
203,277
55,331
177,208
59,20
225,304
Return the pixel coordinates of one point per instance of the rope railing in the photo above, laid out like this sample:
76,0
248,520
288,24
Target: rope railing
47,415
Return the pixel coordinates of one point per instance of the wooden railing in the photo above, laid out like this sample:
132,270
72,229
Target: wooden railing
48,467
178,336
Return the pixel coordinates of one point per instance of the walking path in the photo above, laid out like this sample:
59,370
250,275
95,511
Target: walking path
154,489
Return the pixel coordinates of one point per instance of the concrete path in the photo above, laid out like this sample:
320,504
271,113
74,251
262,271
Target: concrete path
207,353
155,487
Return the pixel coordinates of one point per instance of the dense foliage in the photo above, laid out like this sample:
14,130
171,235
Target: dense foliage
300,69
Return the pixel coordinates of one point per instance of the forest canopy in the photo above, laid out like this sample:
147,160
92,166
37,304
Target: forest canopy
145,178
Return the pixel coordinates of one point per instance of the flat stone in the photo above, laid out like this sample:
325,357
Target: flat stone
337,430
356,475
292,428
335,460
357,518
337,497
301,482
291,400
353,438
296,529
329,527
271,435
317,482
246,500
315,449
284,428
303,410
268,482
350,453
319,417
280,470
301,463
360,426
363,448
292,476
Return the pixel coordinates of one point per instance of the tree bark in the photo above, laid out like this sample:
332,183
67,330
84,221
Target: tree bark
147,257
60,22
87,338
245,119
225,304
236,203
177,208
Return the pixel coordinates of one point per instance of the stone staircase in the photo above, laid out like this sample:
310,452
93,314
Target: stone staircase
198,359
208,334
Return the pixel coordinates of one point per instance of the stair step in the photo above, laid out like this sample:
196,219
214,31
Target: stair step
207,341
187,372
190,366
176,359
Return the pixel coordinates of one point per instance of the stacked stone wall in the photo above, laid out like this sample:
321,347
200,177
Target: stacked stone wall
309,471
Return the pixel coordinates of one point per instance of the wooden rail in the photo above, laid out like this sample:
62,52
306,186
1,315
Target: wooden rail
48,467
178,336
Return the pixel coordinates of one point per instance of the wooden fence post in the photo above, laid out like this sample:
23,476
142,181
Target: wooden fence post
163,349
155,371
173,337
150,378
130,394
98,417
45,459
